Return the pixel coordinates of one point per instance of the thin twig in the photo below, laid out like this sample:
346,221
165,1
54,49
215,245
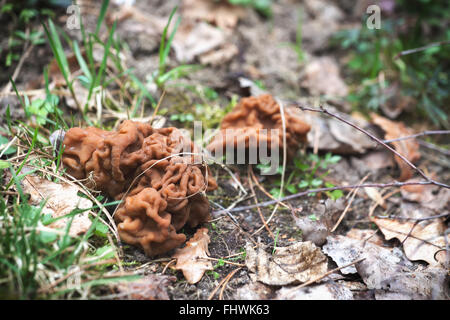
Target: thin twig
434,44
420,134
371,136
303,193
256,202
228,278
349,204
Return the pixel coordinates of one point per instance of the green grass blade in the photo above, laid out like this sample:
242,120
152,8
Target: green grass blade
101,16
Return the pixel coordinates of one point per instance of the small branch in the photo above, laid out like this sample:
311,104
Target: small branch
303,193
424,133
371,136
434,44
433,147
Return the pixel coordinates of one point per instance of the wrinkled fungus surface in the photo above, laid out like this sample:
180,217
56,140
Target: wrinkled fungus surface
250,123
162,189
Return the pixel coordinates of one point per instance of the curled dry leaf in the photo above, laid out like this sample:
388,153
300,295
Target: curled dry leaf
299,262
150,287
421,241
408,148
191,259
221,13
61,198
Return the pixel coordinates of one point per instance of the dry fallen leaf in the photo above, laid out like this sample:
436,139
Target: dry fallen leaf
322,78
61,198
194,39
216,57
221,13
299,262
150,287
326,291
335,136
408,148
191,259
422,241
365,235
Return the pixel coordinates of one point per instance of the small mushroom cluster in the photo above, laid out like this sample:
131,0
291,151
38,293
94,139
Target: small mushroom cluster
163,188
250,122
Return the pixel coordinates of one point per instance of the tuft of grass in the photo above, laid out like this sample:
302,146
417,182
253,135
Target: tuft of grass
420,78
308,172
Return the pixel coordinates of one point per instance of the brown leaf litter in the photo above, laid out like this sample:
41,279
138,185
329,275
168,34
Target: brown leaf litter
62,199
221,13
408,148
299,262
192,259
387,271
421,241
322,77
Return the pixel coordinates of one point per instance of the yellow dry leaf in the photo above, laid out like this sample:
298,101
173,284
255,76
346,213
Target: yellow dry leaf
221,13
61,198
191,259
422,241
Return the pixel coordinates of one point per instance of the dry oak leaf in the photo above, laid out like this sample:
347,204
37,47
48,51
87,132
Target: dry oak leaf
61,198
191,259
422,241
408,148
221,13
299,262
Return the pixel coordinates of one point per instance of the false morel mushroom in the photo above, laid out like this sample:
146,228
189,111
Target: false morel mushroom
257,122
153,170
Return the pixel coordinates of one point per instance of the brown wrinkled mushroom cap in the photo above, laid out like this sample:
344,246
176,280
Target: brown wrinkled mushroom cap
244,124
162,190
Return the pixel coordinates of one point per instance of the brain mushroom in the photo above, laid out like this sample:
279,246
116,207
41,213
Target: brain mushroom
250,122
162,189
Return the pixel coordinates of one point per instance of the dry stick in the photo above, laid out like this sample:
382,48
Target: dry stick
224,261
264,190
26,52
168,264
235,222
228,278
371,136
157,106
433,44
220,284
256,202
303,193
433,147
283,172
420,134
443,215
349,204
372,209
